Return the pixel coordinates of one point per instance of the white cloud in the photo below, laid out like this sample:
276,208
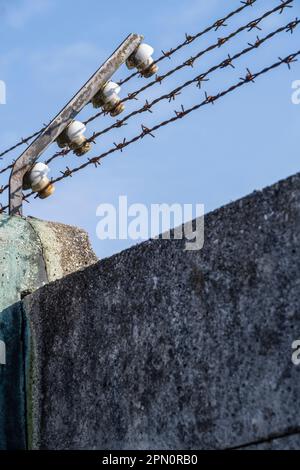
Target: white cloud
191,11
65,68
67,58
9,59
18,13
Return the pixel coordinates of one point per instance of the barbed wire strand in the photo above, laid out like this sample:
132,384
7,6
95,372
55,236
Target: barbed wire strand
24,141
189,39
189,63
147,106
249,78
221,41
198,79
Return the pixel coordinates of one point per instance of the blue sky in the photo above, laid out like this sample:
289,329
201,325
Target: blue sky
248,140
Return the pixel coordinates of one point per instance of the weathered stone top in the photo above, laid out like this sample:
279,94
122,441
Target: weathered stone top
66,249
34,252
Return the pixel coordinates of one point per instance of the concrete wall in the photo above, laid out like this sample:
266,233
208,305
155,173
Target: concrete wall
286,442
32,253
162,348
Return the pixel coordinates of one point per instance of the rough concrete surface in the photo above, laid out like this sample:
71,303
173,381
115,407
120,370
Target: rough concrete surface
291,442
12,385
22,269
162,348
66,248
32,253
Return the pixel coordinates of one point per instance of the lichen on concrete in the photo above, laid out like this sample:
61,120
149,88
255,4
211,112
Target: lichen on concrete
66,249
32,253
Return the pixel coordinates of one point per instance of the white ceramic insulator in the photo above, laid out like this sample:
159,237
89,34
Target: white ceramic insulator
110,93
38,174
41,184
75,132
143,55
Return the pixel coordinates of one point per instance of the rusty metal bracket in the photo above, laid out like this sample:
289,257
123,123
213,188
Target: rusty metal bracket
27,159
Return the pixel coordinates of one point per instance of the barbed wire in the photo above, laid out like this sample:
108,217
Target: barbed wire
249,78
189,39
221,41
289,27
174,93
22,142
189,63
199,78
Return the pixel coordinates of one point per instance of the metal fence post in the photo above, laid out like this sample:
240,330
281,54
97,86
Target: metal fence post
26,160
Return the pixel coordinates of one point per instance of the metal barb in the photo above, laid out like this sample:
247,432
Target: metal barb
284,5
218,24
222,41
249,77
173,95
253,25
167,54
180,114
121,145
146,131
189,38
67,172
147,107
95,161
288,60
292,26
228,62
210,99
200,80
